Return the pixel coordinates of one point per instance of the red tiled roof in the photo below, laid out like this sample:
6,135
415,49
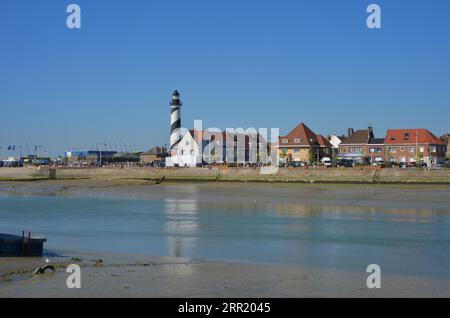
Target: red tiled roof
411,136
304,133
323,142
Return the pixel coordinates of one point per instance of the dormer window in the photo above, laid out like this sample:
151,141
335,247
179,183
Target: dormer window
392,138
284,141
406,136
297,140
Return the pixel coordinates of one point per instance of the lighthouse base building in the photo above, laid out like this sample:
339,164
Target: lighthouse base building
186,152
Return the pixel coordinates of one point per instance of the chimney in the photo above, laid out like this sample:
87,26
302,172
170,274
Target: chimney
370,132
349,132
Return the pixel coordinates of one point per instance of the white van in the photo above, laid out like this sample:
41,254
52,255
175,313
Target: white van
326,161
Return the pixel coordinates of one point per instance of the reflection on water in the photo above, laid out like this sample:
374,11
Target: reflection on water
264,230
181,225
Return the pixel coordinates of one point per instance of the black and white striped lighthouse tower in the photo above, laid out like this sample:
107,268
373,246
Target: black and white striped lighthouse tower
175,119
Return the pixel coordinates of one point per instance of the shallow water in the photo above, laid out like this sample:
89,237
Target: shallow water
402,238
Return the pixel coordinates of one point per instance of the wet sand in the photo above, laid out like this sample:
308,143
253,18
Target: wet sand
130,275
426,197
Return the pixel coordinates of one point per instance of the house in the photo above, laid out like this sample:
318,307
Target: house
362,146
446,139
156,155
187,151
414,145
197,147
302,144
376,150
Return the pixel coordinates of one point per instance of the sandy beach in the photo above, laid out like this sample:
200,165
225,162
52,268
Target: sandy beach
129,275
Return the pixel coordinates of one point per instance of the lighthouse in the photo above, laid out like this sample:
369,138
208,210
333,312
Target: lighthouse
175,119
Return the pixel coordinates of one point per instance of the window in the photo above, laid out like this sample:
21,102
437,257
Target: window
285,141
392,159
187,143
297,140
406,136
392,149
375,150
284,150
192,152
432,148
421,149
356,150
411,149
402,149
297,150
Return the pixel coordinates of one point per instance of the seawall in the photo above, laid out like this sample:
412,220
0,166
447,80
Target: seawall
366,175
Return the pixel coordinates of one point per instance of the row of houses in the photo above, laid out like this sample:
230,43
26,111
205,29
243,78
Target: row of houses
196,147
401,146
362,146
302,144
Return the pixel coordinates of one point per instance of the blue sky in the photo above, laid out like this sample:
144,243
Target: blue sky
236,63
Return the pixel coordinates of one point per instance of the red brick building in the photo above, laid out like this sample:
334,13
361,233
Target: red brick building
414,145
362,146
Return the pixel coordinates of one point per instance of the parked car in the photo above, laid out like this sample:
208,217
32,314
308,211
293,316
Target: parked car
282,164
344,163
296,164
379,163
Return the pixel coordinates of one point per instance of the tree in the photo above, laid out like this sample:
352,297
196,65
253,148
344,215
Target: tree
310,156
